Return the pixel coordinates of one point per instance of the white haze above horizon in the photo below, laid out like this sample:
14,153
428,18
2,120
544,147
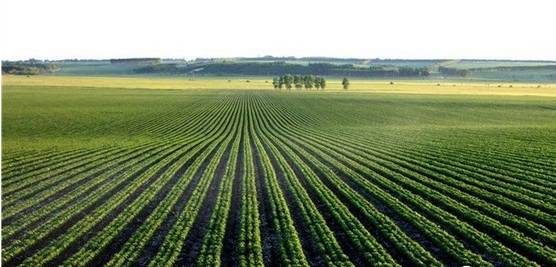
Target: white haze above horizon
473,29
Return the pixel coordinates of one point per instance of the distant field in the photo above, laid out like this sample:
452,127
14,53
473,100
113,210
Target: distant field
472,64
104,171
333,84
479,70
98,68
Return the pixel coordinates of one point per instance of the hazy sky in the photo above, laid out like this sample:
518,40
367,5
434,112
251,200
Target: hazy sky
504,29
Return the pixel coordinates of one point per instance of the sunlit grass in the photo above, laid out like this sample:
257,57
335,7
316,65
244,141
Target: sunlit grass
333,84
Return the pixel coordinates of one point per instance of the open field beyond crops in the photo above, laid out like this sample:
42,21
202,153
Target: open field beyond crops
257,83
104,171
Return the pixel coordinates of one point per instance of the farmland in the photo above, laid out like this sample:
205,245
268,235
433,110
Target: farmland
109,171
462,70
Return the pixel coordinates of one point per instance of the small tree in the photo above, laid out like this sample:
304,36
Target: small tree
296,79
322,83
281,82
317,82
275,83
288,80
345,83
308,81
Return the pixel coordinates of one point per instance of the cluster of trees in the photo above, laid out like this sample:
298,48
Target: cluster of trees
28,67
299,81
303,81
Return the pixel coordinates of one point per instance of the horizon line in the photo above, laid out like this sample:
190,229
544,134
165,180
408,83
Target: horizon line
277,57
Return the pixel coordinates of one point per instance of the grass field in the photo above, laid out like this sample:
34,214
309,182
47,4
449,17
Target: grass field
257,83
477,64
106,171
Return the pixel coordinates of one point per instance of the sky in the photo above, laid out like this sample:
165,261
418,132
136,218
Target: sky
473,29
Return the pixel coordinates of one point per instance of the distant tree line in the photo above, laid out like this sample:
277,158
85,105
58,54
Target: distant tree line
28,67
282,68
401,71
169,68
299,81
453,71
305,59
144,60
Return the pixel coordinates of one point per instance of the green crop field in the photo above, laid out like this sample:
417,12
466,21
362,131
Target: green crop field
107,171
